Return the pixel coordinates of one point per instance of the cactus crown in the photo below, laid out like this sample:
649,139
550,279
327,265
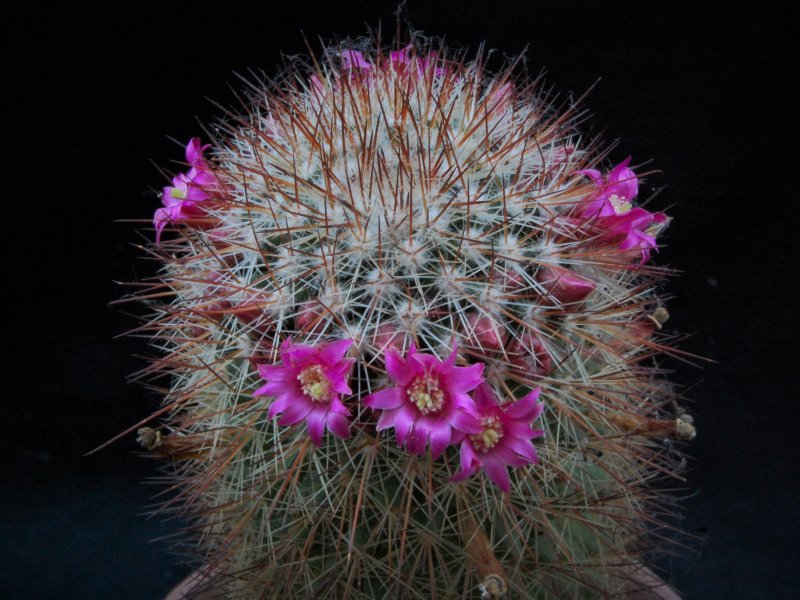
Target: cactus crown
400,239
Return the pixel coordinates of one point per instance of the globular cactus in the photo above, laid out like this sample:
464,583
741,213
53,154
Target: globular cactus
407,326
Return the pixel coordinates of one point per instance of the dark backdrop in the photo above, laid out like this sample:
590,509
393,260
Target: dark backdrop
90,94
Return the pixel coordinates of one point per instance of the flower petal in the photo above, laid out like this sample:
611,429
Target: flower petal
416,441
469,462
485,398
460,380
385,399
316,425
335,351
338,424
498,473
292,354
518,429
462,421
338,406
504,455
273,388
275,372
404,420
399,369
295,411
386,420
528,407
440,439
522,447
279,406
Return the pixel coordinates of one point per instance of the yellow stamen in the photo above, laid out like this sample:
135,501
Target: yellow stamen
489,437
425,393
620,204
315,384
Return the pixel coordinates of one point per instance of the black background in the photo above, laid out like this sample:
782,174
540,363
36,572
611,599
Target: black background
93,91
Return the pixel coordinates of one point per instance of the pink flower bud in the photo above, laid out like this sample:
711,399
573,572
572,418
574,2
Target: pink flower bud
509,280
529,356
388,336
632,335
563,285
485,332
308,315
262,353
252,313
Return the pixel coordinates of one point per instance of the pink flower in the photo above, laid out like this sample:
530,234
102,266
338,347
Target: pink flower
615,217
614,195
401,57
187,190
307,384
429,400
194,153
632,229
504,439
353,59
404,58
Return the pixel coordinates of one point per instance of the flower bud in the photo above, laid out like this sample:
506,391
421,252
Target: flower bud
564,286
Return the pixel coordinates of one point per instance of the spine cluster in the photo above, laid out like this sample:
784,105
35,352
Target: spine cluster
407,322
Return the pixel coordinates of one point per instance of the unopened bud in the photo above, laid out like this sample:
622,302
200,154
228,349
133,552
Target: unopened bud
563,285
485,332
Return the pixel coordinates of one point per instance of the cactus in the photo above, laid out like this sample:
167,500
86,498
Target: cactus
406,328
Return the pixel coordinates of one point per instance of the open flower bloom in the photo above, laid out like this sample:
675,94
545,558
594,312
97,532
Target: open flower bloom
504,439
614,194
187,190
307,385
613,213
635,228
429,401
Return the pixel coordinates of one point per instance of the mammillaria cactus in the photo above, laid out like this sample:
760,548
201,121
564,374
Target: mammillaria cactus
407,324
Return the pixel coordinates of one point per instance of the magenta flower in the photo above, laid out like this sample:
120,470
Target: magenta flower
632,229
615,216
429,401
307,384
187,190
614,194
353,59
504,439
401,57
194,153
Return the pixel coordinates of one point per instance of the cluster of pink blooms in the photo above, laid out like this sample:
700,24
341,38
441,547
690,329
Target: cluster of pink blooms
612,213
428,404
182,199
355,61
